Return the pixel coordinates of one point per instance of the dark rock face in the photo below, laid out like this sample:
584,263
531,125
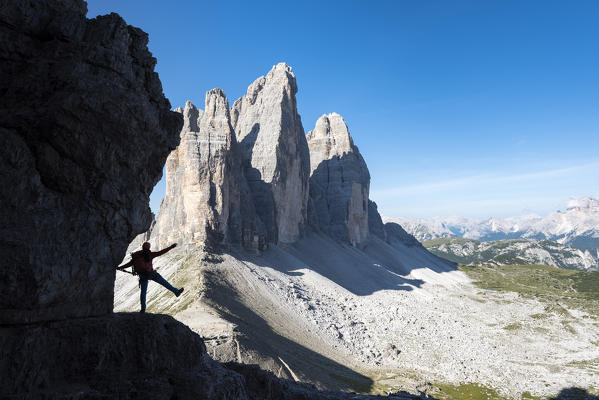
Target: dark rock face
396,234
390,232
116,356
375,223
339,181
84,132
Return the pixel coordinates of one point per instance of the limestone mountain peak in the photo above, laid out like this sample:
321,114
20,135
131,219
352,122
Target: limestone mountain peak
275,152
191,116
217,103
329,138
339,180
279,76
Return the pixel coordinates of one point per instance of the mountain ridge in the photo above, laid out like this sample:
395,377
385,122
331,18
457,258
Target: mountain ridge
512,252
577,226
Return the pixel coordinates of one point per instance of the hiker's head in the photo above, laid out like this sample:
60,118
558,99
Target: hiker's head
146,246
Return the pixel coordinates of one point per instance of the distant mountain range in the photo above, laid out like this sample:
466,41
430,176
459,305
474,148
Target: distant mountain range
512,251
577,226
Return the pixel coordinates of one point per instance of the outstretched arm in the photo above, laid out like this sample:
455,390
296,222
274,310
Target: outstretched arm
161,252
130,263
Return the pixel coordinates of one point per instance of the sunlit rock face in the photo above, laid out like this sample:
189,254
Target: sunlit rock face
275,153
207,197
339,181
198,176
84,131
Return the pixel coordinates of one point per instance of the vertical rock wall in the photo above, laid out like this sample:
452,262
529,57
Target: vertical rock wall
339,181
240,176
84,132
275,153
199,176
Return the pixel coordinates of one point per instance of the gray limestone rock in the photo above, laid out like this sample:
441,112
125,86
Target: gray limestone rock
198,177
376,226
207,200
84,132
275,154
339,181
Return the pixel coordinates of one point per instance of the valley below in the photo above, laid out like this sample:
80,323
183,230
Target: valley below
359,320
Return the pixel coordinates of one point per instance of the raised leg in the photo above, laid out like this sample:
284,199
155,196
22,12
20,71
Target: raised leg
156,277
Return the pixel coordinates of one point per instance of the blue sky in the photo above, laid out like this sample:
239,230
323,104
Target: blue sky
470,108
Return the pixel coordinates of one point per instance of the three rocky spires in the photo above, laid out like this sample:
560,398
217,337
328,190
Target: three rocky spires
249,175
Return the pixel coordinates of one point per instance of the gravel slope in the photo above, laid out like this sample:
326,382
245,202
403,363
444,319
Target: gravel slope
345,318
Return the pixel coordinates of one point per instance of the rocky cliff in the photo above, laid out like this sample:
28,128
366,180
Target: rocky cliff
115,356
339,181
275,152
243,176
199,176
85,130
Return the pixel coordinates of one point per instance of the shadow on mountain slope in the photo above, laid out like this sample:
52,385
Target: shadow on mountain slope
291,358
574,393
261,190
377,266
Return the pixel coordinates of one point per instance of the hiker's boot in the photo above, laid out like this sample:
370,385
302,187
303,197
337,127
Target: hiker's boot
179,292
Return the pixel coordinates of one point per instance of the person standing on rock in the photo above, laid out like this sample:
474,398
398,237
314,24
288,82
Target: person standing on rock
142,265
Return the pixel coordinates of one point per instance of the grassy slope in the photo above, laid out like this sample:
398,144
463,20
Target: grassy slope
553,286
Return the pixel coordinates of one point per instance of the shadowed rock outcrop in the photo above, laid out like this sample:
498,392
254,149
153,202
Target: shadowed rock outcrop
376,226
117,356
339,181
84,132
275,153
390,232
396,234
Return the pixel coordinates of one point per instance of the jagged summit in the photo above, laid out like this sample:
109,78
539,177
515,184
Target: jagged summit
279,75
198,176
330,137
577,226
191,117
274,153
280,181
339,180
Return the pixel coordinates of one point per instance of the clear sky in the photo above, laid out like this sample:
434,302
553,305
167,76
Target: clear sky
471,108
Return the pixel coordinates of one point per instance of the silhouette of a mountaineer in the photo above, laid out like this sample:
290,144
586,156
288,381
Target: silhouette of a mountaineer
142,265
